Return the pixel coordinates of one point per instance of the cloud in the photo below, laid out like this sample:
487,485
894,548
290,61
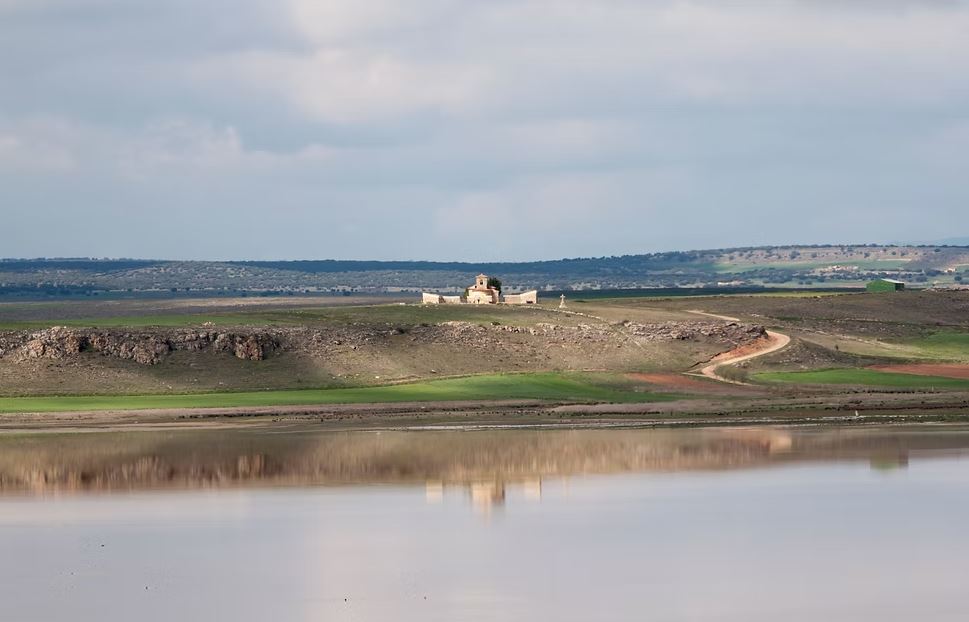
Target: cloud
602,127
337,21
342,85
33,150
383,60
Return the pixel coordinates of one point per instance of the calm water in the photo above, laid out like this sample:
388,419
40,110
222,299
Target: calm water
555,525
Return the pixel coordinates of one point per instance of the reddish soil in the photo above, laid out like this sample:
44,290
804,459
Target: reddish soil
744,351
943,370
772,343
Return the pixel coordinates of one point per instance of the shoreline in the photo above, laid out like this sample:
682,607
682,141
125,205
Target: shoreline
841,409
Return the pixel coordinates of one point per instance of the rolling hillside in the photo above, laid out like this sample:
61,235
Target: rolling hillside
804,266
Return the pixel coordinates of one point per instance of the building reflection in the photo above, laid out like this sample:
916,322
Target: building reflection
484,464
485,495
434,491
533,489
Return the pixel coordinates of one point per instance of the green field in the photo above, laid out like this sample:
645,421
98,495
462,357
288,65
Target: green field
943,346
864,377
560,387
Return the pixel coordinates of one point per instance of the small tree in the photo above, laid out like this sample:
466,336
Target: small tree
494,282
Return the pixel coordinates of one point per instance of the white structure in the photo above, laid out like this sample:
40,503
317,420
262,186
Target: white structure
524,298
482,293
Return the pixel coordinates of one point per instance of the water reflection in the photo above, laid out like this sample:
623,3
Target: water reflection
681,525
482,462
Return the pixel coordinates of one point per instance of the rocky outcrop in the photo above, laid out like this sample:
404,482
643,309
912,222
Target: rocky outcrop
728,332
53,343
145,347
252,347
149,346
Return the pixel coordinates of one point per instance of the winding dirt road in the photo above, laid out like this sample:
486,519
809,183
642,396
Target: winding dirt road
772,343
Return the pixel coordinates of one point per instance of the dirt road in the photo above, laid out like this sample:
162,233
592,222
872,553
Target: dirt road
774,342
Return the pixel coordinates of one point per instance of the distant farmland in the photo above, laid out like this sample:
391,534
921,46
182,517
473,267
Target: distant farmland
737,270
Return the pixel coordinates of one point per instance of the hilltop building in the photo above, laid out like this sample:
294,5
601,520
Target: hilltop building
885,285
482,293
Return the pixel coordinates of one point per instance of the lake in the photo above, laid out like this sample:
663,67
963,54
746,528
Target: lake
299,523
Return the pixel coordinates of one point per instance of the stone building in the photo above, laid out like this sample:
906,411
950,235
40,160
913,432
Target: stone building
482,293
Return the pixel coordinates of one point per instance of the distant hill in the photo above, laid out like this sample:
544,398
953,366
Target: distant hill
791,266
952,242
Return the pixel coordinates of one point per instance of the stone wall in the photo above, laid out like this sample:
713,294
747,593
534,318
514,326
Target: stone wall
524,298
479,297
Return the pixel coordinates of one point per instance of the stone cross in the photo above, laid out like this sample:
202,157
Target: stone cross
562,303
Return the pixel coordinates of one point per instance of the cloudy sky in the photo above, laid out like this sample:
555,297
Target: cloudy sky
478,129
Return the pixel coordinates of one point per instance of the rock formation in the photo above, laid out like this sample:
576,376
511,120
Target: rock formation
146,347
149,346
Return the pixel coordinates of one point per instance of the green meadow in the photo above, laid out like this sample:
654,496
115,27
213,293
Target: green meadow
558,387
943,346
864,377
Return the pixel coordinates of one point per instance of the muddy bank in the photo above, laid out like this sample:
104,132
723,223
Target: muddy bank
859,409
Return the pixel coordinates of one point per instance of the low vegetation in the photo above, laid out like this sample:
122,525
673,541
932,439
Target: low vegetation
864,377
942,346
412,314
550,387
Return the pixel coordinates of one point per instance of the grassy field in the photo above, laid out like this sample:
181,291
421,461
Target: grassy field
947,346
145,321
584,387
943,346
863,377
407,315
349,346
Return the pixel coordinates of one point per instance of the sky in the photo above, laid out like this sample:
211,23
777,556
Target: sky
478,130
